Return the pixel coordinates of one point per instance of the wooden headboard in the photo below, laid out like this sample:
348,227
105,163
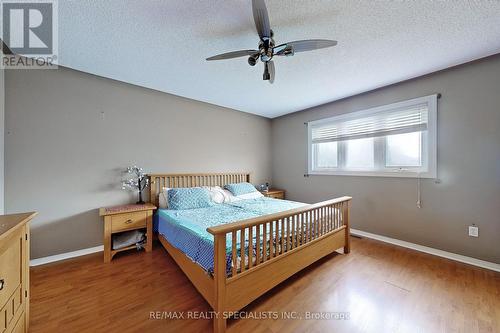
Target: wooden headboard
158,181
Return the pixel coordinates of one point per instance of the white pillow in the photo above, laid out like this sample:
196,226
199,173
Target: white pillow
163,198
216,194
251,195
229,197
220,195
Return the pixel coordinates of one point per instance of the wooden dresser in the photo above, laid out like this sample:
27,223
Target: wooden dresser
14,272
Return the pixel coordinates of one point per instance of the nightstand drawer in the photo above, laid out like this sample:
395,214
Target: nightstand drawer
279,195
126,221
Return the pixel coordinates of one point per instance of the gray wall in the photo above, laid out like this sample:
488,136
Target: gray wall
69,134
468,165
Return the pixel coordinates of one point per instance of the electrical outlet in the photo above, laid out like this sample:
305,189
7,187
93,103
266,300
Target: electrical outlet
473,231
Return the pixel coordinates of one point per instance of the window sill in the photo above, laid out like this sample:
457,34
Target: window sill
393,174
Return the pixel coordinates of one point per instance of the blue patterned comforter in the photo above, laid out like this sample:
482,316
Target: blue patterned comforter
187,229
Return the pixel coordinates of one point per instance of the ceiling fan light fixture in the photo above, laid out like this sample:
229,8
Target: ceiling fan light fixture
266,76
252,61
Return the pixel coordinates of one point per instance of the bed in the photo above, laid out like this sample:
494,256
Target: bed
233,253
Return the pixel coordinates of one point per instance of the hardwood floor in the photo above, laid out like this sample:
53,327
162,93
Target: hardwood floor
381,287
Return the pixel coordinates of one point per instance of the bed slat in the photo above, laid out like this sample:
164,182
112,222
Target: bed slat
250,247
233,253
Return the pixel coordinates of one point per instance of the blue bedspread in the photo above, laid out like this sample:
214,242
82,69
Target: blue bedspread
186,229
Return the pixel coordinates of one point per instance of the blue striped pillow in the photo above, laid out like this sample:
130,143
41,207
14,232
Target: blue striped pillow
240,188
188,198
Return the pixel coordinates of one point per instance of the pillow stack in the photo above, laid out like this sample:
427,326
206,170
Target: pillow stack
206,196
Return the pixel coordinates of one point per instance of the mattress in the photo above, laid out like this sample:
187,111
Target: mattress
186,229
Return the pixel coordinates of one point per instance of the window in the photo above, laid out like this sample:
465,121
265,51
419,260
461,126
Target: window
397,140
359,154
404,150
327,155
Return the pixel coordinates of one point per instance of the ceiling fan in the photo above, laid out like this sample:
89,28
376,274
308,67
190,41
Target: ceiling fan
267,49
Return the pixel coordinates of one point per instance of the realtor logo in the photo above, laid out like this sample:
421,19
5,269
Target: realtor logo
29,33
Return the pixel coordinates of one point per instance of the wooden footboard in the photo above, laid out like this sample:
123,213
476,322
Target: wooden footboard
273,248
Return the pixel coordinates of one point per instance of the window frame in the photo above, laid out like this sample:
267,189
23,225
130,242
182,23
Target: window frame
429,145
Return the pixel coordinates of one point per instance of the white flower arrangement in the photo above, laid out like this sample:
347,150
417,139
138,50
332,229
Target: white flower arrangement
137,181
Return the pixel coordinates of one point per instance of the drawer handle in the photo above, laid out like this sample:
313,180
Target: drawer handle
128,221
2,283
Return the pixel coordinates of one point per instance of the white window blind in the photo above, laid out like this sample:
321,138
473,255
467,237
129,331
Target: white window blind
395,140
389,122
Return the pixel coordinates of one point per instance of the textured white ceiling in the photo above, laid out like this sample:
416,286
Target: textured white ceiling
163,45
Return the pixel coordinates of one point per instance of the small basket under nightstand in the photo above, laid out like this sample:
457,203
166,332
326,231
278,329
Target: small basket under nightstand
125,218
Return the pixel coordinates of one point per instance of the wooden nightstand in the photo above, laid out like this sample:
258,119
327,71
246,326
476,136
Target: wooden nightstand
274,193
125,218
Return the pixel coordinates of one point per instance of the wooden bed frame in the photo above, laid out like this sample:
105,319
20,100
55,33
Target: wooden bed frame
307,234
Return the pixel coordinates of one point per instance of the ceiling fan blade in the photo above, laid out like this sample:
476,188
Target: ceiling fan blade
261,18
272,71
234,54
303,46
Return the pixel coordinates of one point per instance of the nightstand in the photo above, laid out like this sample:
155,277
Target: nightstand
125,218
274,193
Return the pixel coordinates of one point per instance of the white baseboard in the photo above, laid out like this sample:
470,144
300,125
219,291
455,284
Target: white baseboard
440,253
67,255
